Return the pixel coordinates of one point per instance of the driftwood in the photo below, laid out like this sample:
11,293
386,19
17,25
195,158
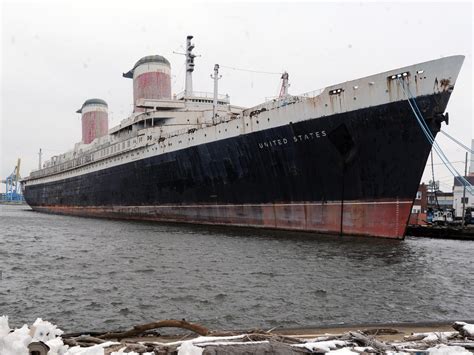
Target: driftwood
372,342
140,329
89,339
263,342
380,331
414,337
274,348
469,346
78,334
69,341
459,326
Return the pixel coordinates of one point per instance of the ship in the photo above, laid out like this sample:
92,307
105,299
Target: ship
343,160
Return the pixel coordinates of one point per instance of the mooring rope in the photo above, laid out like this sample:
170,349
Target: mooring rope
458,142
427,132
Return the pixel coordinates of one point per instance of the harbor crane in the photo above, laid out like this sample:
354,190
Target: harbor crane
13,186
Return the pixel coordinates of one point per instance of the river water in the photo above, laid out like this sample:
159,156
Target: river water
93,274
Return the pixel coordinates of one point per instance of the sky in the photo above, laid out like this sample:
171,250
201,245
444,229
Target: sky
57,54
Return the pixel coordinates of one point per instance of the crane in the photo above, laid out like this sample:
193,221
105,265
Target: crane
13,186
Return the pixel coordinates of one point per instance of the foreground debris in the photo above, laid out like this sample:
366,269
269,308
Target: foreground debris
45,338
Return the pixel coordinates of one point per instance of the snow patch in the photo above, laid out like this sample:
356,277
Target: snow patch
436,336
188,348
43,331
343,351
121,352
324,346
4,328
92,350
16,342
448,350
468,328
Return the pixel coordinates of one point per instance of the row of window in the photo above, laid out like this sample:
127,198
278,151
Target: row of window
114,149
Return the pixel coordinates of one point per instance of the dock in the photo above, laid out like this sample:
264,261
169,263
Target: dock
441,232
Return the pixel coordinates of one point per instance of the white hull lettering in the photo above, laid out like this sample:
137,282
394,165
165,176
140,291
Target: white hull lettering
309,136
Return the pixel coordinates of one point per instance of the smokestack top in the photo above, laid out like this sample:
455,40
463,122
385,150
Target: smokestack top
92,102
148,59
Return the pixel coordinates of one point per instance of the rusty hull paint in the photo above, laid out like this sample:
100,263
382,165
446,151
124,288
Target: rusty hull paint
359,218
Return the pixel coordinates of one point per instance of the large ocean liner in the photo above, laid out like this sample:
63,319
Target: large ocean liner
343,160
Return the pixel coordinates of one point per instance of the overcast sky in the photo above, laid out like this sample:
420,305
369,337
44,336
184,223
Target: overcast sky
57,54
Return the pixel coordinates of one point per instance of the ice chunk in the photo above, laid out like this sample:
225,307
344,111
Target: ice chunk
43,331
92,350
343,351
57,347
16,342
468,329
324,346
121,352
188,348
448,350
435,336
4,328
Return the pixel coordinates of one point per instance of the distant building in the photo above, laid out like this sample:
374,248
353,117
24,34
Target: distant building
418,210
458,191
445,200
421,200
471,165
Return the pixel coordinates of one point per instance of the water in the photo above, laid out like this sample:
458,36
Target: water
92,274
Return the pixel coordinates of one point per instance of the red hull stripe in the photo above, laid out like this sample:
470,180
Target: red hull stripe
386,219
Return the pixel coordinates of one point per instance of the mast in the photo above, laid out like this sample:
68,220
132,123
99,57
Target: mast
17,174
464,196
216,78
284,85
39,161
189,67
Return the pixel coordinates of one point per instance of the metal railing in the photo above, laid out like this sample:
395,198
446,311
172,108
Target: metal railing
202,94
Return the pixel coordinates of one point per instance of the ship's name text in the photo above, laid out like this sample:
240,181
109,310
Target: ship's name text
295,139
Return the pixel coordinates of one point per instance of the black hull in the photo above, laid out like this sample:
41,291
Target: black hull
372,154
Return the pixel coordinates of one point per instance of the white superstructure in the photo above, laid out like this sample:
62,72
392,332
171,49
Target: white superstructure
160,126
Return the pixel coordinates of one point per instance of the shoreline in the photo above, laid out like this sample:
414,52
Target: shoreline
380,331
195,339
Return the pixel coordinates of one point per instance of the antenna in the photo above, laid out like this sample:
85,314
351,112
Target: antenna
216,78
284,85
39,161
188,87
189,67
18,170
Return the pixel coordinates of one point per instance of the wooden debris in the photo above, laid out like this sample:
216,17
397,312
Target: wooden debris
459,326
380,331
265,342
141,329
372,342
